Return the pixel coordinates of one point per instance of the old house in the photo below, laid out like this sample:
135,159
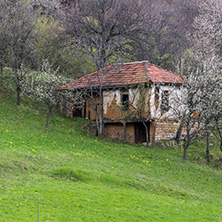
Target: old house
137,99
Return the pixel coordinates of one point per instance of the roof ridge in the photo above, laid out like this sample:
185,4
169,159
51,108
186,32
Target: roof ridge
126,63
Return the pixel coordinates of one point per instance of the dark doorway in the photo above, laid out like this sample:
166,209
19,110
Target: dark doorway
77,113
140,132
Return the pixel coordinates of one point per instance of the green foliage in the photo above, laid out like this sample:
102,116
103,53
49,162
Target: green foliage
6,78
84,178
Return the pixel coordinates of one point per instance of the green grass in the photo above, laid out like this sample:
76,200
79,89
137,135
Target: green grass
79,177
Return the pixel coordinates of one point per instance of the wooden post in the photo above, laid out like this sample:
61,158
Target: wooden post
124,130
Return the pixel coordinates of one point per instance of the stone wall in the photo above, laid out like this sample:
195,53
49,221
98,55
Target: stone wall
166,129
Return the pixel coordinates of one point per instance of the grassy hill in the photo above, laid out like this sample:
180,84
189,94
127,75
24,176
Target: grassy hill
79,177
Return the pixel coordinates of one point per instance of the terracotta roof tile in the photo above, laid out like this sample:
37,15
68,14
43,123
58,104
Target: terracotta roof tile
125,74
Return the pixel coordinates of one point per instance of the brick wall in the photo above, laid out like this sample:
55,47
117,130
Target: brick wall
166,129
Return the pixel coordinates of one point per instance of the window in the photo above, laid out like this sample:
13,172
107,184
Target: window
125,101
165,101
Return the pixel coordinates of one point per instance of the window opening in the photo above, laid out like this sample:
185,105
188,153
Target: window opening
157,96
125,101
165,101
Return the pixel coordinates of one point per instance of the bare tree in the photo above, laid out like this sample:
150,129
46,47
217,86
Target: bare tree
208,25
163,34
22,35
4,33
137,107
102,31
164,37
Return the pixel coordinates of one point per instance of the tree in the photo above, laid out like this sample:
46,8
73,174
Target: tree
163,34
208,51
208,25
164,37
137,107
201,102
202,69
43,87
103,30
22,36
4,33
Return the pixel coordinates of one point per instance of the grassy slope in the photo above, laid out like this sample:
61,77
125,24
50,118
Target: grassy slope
84,178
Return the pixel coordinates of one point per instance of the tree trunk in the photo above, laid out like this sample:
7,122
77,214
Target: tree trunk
18,90
101,131
96,117
187,143
208,150
100,127
48,116
221,145
219,132
178,133
185,151
1,69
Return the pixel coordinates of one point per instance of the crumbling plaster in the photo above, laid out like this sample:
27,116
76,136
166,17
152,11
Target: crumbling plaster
108,97
134,96
175,94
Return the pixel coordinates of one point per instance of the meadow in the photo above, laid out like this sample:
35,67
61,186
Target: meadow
79,177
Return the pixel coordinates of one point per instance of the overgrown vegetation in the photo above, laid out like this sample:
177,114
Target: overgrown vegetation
84,178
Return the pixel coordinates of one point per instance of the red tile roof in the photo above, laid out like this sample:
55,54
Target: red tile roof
125,74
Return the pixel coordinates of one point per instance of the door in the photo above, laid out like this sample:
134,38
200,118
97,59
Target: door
140,132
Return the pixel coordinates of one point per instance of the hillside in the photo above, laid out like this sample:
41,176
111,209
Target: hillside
79,177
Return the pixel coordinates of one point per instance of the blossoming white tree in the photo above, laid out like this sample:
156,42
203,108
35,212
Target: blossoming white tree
202,69
43,87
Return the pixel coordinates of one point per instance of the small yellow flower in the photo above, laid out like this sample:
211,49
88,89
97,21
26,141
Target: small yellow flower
10,142
166,159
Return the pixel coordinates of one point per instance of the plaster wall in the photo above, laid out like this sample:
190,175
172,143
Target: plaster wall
112,103
175,98
116,131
